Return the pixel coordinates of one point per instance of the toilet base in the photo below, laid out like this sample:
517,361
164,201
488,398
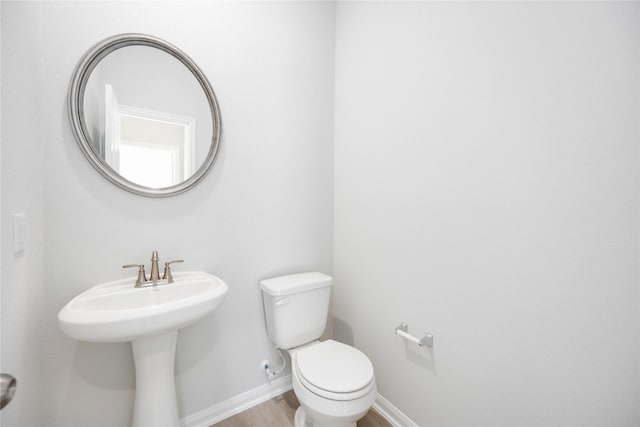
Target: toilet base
301,419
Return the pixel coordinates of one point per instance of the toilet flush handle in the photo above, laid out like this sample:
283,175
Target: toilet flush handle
281,301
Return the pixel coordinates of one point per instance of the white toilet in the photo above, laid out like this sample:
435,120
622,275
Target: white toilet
333,382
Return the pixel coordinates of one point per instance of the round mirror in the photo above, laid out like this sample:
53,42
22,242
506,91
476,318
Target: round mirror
144,115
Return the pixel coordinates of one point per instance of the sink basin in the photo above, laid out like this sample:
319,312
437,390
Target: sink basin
117,311
150,318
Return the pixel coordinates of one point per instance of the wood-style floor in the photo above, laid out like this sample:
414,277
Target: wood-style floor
279,412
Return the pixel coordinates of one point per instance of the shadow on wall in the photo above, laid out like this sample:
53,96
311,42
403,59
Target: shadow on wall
421,356
92,392
111,376
342,332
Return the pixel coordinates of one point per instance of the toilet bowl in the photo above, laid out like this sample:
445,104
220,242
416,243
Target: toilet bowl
334,382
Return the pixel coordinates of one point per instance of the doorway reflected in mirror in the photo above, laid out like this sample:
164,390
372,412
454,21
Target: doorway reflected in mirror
155,149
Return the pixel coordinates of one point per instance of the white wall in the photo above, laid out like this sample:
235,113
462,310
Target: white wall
23,287
264,210
486,190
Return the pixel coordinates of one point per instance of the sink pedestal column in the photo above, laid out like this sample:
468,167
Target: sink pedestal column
155,399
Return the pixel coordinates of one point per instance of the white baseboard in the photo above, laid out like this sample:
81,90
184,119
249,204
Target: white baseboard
256,396
237,404
392,414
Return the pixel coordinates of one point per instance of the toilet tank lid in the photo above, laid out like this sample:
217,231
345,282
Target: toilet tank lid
293,283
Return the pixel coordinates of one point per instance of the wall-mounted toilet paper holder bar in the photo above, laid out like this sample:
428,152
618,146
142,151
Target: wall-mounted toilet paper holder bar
402,330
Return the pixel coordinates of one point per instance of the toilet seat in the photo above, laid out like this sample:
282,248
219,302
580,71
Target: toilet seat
334,370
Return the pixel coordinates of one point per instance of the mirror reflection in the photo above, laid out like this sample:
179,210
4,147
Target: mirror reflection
147,117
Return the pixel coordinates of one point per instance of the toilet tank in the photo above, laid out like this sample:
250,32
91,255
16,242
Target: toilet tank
296,307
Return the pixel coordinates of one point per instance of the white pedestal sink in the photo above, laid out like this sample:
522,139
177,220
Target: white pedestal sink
149,317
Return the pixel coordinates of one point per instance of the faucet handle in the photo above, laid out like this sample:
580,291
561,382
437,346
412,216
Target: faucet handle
142,277
167,270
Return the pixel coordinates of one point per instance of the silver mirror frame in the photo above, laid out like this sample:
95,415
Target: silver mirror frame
76,110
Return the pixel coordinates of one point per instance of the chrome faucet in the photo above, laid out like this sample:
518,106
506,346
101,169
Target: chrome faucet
154,278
